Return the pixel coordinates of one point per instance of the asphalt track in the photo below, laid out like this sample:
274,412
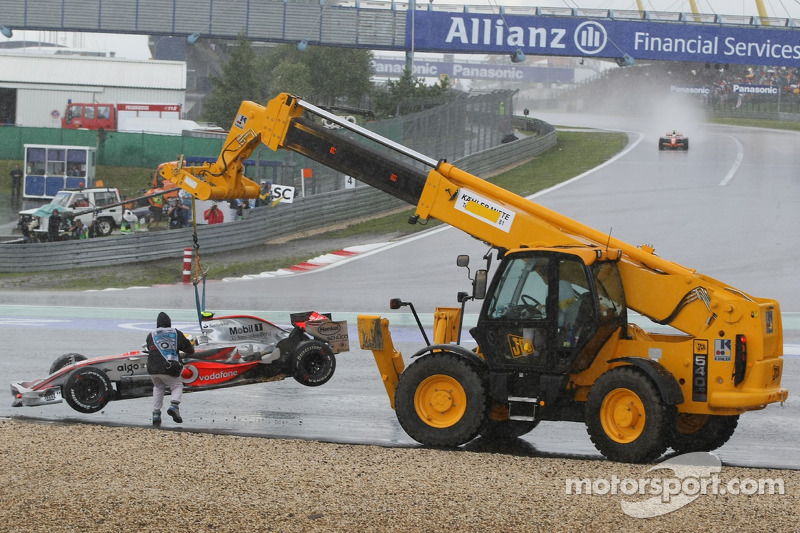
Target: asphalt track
727,208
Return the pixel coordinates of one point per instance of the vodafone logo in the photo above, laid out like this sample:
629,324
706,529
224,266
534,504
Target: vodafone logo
189,374
222,374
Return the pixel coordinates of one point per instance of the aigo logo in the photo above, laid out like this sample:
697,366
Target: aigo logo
590,37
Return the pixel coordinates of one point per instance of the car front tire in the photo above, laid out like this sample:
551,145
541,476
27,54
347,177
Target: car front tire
88,390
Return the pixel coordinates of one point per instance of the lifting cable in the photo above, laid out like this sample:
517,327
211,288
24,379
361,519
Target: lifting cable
198,273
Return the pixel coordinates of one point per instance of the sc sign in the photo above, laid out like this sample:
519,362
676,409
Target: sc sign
283,194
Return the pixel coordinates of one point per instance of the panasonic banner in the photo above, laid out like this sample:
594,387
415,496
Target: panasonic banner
476,71
562,36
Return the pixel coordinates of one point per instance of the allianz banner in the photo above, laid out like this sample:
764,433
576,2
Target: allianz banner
579,37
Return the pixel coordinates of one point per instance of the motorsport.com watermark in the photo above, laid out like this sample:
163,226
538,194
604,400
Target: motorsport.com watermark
694,475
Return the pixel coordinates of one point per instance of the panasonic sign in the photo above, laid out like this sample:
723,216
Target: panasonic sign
391,68
436,31
705,91
754,89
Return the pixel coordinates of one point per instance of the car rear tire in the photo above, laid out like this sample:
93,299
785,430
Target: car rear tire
313,363
88,390
66,360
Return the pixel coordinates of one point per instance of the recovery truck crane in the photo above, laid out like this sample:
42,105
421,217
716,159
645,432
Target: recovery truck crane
553,337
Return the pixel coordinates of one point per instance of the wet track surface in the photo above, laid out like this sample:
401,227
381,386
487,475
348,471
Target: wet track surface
352,408
724,209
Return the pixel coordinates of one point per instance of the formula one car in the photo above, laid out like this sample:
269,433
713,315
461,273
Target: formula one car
673,141
231,350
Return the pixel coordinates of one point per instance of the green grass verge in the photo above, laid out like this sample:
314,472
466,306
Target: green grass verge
573,154
757,123
164,271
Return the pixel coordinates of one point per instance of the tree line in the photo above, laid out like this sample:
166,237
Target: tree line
325,76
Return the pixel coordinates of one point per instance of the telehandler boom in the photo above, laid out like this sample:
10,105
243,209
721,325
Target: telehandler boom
553,337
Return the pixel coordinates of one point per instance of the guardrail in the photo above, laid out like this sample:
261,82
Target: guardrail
260,224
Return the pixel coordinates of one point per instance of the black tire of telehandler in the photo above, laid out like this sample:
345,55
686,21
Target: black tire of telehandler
701,433
313,363
613,390
456,385
88,389
66,360
503,430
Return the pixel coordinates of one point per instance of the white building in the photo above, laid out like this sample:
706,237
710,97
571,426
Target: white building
35,88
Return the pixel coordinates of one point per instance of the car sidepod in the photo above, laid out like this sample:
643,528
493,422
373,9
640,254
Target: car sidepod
201,374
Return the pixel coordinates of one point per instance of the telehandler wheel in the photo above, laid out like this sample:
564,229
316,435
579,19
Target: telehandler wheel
701,433
499,428
502,430
440,400
626,418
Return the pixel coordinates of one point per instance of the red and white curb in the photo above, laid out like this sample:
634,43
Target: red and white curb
300,268
315,263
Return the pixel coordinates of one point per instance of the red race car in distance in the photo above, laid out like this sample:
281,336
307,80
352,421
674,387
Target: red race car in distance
673,141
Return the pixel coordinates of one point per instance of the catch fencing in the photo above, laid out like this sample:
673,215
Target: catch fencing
260,224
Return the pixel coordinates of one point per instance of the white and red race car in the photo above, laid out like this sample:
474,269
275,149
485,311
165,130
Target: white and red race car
231,350
673,141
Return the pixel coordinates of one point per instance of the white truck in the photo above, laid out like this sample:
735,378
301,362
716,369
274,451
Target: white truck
101,204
